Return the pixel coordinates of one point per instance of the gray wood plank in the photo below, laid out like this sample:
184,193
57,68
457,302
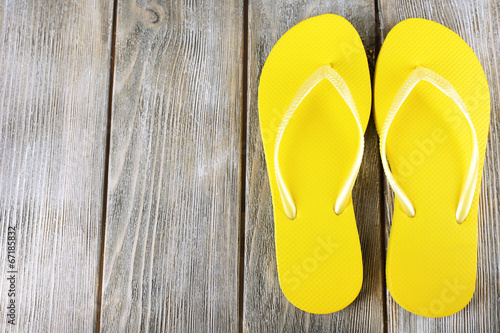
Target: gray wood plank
265,307
173,214
477,22
54,77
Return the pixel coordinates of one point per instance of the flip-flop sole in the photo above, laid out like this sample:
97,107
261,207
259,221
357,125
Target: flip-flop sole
431,259
318,253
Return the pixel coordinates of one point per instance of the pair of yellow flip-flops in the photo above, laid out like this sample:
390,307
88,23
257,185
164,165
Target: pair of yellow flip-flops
431,111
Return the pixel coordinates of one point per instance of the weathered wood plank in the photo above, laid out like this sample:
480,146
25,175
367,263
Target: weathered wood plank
54,76
477,22
171,240
265,307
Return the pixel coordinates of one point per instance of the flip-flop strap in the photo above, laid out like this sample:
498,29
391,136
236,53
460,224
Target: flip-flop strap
469,186
328,73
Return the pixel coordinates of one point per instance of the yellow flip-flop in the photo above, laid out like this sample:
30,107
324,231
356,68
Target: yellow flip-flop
314,105
432,111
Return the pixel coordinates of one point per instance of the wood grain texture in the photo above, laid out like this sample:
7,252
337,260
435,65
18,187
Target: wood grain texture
173,214
477,22
54,77
265,307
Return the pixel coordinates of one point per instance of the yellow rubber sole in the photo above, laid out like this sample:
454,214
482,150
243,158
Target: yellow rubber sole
431,259
318,253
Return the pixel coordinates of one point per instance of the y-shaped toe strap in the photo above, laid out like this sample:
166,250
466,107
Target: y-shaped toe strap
424,74
328,73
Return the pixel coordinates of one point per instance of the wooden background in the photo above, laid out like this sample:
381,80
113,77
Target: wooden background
131,166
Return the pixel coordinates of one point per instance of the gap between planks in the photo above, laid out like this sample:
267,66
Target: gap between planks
383,245
106,162
243,169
